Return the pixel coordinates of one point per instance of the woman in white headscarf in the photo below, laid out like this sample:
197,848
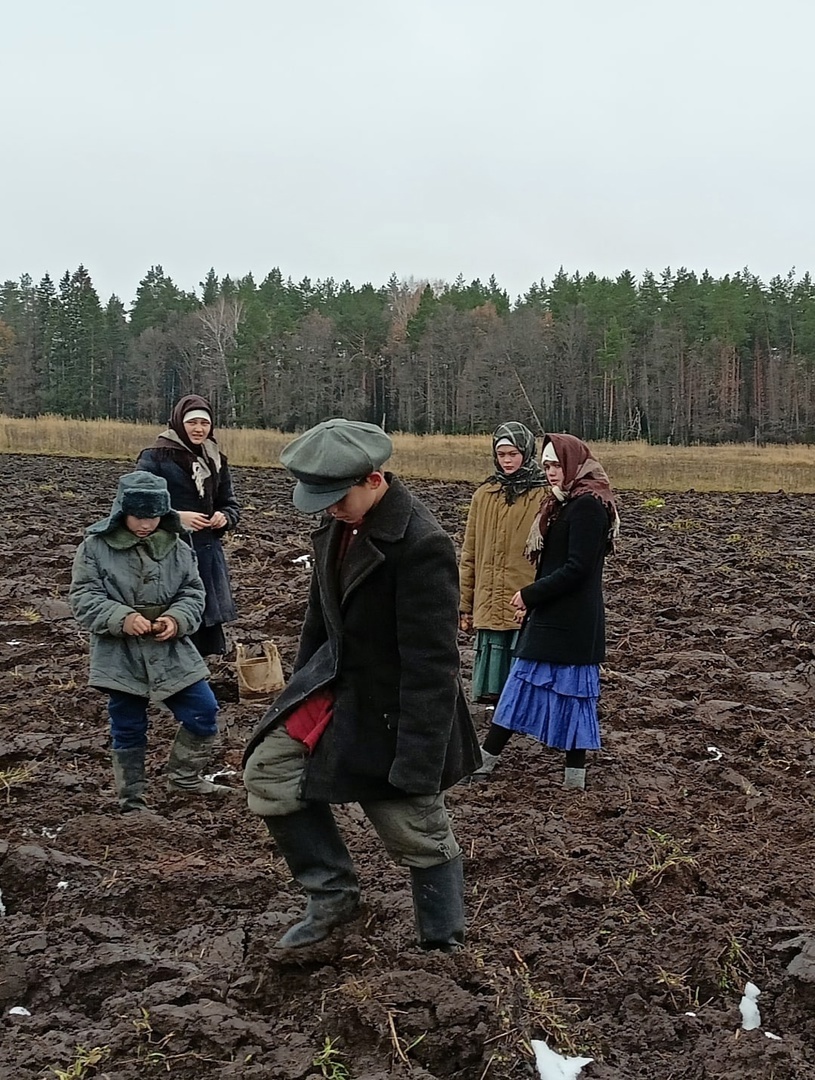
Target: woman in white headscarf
187,455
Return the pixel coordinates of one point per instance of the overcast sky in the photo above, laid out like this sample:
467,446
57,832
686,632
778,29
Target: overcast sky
428,137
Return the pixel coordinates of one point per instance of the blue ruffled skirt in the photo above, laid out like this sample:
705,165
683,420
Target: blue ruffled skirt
554,703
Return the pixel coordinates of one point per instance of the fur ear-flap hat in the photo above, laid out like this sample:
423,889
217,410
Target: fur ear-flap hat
143,495
146,504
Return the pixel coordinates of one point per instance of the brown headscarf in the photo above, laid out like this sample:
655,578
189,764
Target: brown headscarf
180,410
582,475
204,461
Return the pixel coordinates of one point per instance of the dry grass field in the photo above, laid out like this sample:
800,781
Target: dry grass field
633,466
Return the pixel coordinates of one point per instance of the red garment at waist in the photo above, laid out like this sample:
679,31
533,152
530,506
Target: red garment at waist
310,719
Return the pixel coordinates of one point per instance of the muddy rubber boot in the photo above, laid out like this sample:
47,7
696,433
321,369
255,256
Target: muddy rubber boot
189,756
318,859
438,904
574,778
485,769
128,776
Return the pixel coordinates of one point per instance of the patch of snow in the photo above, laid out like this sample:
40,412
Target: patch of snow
748,1007
551,1066
18,1010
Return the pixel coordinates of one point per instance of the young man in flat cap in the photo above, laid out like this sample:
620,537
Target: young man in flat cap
374,712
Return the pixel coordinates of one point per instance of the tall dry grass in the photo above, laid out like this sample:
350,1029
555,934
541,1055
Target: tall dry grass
632,466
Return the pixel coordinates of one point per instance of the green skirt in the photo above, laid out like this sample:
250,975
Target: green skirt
493,659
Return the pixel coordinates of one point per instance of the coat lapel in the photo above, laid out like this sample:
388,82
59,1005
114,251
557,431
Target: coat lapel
362,559
326,543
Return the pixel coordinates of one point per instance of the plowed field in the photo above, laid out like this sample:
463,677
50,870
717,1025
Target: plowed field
621,923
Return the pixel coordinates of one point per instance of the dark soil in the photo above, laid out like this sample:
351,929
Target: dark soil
620,923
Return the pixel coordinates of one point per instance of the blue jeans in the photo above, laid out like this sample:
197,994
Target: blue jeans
195,708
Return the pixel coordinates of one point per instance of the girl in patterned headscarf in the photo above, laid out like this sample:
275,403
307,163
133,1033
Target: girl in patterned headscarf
493,566
554,686
187,455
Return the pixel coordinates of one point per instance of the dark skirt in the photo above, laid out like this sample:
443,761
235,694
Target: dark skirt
209,640
493,659
220,605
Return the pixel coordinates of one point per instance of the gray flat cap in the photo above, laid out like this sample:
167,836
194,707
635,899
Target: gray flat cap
327,460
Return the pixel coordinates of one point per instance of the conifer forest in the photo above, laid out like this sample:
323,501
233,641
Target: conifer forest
674,357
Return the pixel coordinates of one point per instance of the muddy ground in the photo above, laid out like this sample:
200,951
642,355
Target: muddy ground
620,924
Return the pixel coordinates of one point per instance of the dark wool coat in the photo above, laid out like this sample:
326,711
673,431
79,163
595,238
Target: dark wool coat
384,633
174,466
566,622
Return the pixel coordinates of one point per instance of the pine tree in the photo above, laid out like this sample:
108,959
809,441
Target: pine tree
118,353
210,288
81,371
46,320
417,324
157,299
21,374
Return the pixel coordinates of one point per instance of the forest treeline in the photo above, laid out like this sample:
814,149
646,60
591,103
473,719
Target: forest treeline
671,357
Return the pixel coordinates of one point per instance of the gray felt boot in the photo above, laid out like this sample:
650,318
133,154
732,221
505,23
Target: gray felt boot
128,776
485,769
574,778
189,756
318,859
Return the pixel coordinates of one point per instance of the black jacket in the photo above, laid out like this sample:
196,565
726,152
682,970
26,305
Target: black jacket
384,633
565,622
173,466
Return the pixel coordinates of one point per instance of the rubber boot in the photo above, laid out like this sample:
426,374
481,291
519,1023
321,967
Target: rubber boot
438,904
128,776
485,769
189,756
574,778
318,859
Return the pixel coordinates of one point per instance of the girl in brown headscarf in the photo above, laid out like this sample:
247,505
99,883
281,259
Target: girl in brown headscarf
554,685
187,455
